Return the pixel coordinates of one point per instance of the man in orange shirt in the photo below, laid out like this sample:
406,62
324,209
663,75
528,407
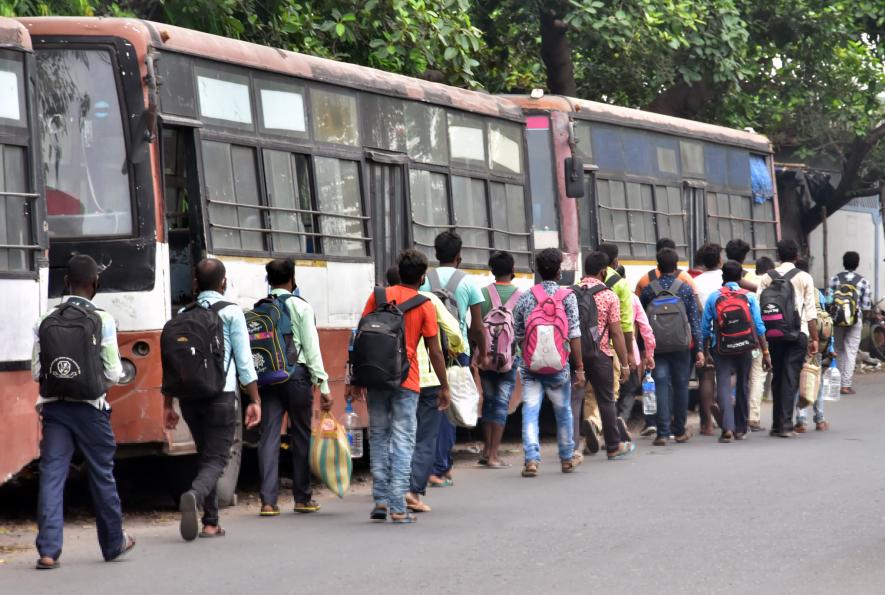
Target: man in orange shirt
393,412
655,273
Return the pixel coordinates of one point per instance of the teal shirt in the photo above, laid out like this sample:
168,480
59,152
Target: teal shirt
466,295
306,339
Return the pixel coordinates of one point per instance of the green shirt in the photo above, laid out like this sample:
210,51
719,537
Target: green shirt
505,290
306,339
625,297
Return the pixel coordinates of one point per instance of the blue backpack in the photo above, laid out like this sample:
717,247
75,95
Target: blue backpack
270,340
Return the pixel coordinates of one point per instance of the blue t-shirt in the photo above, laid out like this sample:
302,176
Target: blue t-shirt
466,295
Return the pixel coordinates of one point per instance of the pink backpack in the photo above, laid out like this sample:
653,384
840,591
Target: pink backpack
546,333
498,326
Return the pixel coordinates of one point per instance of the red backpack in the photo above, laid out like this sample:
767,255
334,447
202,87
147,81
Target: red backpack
735,330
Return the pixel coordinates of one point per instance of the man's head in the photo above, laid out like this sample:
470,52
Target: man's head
281,273
665,243
787,250
210,275
711,256
737,249
412,265
82,276
595,264
548,263
802,264
851,260
610,250
668,260
501,264
732,271
448,248
392,276
763,265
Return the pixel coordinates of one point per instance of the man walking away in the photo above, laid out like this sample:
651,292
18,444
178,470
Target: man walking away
461,297
498,371
737,250
547,326
760,379
732,326
600,329
849,298
788,298
294,397
393,321
76,359
655,272
709,281
212,419
672,309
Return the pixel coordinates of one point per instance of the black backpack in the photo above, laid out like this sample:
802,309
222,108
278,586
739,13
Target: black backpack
778,305
379,358
70,353
668,318
192,352
589,315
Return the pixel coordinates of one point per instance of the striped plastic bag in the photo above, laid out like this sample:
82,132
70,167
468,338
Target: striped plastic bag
330,454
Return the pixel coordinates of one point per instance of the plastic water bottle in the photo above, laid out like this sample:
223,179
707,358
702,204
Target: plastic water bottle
351,423
649,398
832,383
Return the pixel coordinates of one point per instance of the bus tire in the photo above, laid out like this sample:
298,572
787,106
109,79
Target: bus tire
227,483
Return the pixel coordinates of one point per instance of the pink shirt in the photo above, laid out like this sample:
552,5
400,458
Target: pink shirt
608,308
641,322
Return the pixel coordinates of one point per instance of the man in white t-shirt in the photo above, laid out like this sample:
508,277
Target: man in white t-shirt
710,256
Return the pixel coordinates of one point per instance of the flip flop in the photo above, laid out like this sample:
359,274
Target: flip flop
379,513
128,544
307,507
406,519
446,483
220,533
43,566
499,465
275,511
418,506
188,526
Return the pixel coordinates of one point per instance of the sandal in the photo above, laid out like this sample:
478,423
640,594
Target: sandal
499,465
379,513
530,469
220,532
307,507
445,483
47,563
403,518
417,506
269,510
128,544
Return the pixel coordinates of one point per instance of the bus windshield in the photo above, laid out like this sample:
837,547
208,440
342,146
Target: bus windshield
84,151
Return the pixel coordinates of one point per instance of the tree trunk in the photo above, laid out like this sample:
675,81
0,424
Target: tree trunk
682,100
556,52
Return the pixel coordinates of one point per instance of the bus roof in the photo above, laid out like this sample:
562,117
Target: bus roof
14,35
634,118
251,55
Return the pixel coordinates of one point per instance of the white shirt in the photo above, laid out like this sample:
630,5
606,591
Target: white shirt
708,282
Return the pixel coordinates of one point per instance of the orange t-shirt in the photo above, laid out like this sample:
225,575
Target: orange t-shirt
683,276
417,322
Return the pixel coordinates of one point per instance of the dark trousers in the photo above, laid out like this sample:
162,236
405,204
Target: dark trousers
212,423
628,395
734,417
601,375
68,426
671,386
425,439
787,358
445,442
294,398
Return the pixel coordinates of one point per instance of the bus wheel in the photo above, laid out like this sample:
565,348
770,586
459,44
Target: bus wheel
227,483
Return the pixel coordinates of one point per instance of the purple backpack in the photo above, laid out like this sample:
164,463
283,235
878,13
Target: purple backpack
498,327
546,333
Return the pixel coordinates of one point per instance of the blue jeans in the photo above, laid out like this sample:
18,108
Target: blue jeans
392,427
558,388
425,438
671,386
496,392
67,426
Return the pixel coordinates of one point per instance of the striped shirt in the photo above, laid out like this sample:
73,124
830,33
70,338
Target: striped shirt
864,295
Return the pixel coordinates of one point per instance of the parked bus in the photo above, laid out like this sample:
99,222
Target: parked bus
164,145
603,173
22,247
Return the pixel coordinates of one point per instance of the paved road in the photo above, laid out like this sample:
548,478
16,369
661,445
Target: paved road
793,515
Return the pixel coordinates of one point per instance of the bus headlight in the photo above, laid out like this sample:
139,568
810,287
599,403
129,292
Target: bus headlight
128,372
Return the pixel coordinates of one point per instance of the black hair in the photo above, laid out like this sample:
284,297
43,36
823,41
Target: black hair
82,271
280,271
851,260
737,249
763,265
621,271
802,264
392,276
210,274
595,262
501,263
412,265
447,246
668,261
710,255
610,250
787,250
665,243
548,263
732,271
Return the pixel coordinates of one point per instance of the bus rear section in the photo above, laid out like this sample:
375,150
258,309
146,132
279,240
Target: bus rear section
22,247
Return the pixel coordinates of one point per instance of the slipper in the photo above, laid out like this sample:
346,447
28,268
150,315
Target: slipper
418,506
220,533
406,519
482,462
307,507
446,483
41,565
274,510
499,465
128,544
189,526
379,513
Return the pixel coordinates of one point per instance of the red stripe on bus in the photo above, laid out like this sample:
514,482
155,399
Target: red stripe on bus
537,123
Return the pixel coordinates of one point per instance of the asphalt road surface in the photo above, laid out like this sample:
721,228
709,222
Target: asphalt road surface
765,515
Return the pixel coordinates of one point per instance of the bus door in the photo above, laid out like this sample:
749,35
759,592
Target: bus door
389,223
182,209
694,203
588,222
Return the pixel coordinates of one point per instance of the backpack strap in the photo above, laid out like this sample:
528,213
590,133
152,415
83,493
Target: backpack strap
539,293
219,306
561,294
380,296
412,302
652,275
598,289
454,281
657,287
677,284
613,280
510,304
433,280
791,273
494,296
773,275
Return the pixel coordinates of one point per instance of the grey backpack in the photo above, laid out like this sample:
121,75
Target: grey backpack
668,318
447,294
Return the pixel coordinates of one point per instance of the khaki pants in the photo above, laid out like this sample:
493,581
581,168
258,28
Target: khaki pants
591,407
760,384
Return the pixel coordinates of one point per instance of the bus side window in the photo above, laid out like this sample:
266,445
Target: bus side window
340,201
469,199
288,187
231,180
508,213
15,217
430,207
